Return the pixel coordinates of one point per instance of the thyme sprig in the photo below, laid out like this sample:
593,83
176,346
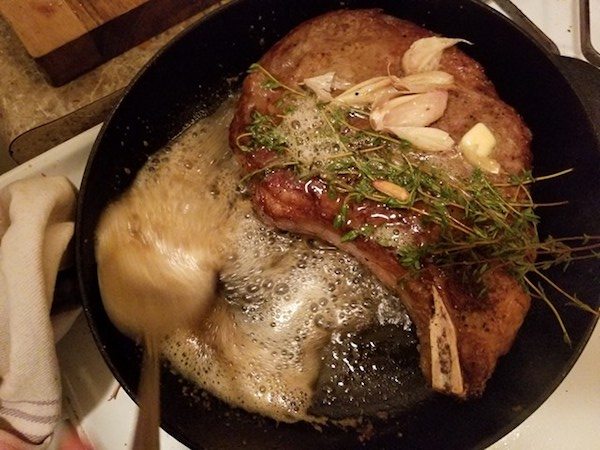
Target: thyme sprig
262,133
480,222
271,82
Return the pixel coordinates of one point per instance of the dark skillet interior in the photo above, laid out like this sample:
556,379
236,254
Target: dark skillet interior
190,77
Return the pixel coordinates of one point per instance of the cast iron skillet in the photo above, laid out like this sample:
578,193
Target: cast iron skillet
193,74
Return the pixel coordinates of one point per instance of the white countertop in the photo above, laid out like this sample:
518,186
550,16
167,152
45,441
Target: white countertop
570,418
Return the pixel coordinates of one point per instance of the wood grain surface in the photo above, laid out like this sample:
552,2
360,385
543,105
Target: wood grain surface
69,37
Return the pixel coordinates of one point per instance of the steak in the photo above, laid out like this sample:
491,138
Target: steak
461,332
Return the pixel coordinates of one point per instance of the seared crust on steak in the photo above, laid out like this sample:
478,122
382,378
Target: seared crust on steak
358,45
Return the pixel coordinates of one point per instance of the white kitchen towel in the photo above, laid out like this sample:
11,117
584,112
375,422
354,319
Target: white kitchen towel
36,225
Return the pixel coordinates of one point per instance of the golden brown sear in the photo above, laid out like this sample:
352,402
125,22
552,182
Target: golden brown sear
462,333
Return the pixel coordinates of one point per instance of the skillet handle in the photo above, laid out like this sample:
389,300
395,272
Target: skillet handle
585,80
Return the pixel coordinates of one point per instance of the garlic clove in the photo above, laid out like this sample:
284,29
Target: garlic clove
425,138
423,82
383,98
321,85
382,106
367,92
391,190
476,146
416,110
340,83
425,54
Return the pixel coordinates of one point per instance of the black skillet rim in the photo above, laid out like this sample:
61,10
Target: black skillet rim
211,15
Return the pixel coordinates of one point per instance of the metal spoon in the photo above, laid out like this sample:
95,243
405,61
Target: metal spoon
148,421
157,275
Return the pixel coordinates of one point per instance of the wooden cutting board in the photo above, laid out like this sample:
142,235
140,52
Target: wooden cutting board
69,37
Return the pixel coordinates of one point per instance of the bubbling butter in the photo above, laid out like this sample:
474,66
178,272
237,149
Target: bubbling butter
280,297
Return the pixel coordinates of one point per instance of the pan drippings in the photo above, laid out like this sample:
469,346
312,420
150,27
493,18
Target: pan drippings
280,300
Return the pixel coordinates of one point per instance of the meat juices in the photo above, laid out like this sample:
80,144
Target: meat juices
359,45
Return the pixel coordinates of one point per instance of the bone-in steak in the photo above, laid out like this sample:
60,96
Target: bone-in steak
462,330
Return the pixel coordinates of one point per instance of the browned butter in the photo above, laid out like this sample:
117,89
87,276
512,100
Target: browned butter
280,300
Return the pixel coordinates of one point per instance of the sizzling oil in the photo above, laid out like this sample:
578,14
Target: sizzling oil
281,297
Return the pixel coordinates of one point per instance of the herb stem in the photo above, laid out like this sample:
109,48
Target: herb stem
268,74
574,299
540,293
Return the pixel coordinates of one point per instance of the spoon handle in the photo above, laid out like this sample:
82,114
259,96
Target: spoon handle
148,422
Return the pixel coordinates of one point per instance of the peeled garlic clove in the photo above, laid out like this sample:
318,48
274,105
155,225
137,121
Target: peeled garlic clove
425,54
380,108
425,138
477,145
383,98
391,190
367,92
339,83
417,110
423,82
321,85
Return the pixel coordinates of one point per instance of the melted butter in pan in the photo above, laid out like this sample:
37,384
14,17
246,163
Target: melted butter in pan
280,299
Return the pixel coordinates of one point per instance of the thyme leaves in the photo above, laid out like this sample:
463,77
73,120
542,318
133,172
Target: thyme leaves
480,221
263,133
